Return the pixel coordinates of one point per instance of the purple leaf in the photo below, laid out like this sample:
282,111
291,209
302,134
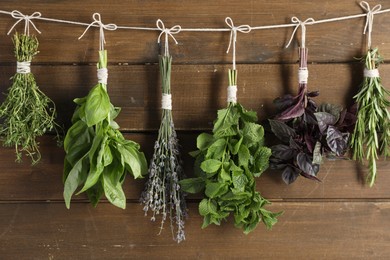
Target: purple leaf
290,174
297,108
313,93
283,152
304,163
325,119
281,130
337,141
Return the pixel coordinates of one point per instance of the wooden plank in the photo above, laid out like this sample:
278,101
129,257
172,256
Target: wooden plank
331,42
198,90
43,182
333,230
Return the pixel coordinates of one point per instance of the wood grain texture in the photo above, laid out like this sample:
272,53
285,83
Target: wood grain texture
331,42
341,180
318,230
338,218
198,90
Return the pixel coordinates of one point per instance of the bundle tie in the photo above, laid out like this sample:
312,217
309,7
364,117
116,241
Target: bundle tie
369,19
23,67
27,19
166,101
233,36
303,75
371,73
98,22
301,24
102,75
167,32
232,94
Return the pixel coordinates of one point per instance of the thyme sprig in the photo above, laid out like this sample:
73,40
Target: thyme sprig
371,136
162,194
27,112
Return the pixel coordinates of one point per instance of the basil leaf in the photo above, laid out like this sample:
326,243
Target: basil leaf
97,106
76,176
113,188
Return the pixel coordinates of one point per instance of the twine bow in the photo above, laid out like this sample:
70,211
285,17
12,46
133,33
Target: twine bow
98,22
27,19
301,24
369,19
167,32
233,36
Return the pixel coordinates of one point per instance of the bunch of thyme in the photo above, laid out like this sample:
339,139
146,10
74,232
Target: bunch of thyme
162,194
27,112
372,129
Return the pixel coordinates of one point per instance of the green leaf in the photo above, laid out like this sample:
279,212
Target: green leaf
239,181
96,168
217,149
253,134
215,189
192,185
210,165
262,160
134,161
243,155
95,193
247,115
227,118
113,188
76,176
97,107
77,135
203,141
224,175
237,145
204,207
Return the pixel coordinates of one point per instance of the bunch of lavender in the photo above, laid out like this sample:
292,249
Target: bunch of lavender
162,194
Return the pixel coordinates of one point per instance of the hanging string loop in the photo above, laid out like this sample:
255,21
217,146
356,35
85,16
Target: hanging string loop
97,21
167,32
27,21
301,24
369,19
233,36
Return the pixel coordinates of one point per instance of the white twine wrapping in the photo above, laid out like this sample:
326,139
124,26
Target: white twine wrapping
371,73
167,32
102,75
166,101
233,36
27,21
98,21
23,67
232,94
303,75
301,24
369,19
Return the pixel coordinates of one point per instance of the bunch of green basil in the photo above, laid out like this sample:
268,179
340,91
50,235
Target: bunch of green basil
97,155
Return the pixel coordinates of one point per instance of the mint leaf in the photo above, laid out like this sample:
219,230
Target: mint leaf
210,165
192,185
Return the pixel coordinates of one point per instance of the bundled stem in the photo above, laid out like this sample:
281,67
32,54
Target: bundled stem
27,112
162,194
372,131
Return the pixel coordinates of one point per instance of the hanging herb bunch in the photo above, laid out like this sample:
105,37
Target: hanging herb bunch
97,155
163,194
27,113
307,132
227,162
371,135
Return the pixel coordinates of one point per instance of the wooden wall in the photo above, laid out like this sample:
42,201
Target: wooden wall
337,218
